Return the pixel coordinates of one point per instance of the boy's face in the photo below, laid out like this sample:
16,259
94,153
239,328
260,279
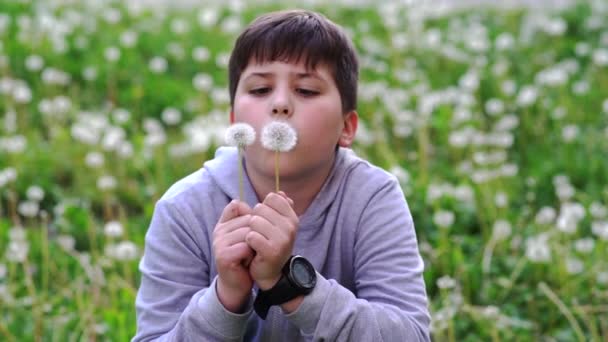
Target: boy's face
306,99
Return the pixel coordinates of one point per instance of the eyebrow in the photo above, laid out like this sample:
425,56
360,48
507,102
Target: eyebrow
299,75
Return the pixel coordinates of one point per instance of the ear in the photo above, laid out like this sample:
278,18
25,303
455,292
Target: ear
231,117
351,120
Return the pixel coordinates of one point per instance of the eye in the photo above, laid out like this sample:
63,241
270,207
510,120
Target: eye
259,91
307,92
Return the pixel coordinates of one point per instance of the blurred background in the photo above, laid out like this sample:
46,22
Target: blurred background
493,118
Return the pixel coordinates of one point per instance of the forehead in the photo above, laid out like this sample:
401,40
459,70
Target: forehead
320,70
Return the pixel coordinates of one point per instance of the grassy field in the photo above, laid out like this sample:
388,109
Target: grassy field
496,124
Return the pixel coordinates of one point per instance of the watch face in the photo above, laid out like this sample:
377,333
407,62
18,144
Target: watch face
303,273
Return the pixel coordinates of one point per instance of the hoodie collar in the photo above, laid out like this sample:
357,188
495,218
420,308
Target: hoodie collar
224,171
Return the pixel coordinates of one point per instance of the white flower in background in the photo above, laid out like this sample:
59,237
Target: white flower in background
171,116
34,193
446,282
232,24
279,136
494,107
179,26
113,229
122,251
158,65
17,251
111,15
600,229
22,93
28,208
504,41
202,82
402,175
89,73
152,125
501,199
584,245
7,175
469,81
565,191
558,113
537,249
580,87
128,39
600,57
598,211
574,266
121,115
52,76
201,54
501,230
66,242
582,49
240,134
125,150
13,144
106,183
509,170
545,216
112,138
507,123
94,159
34,63
176,50
508,87
208,17
443,218
605,106
527,96
220,96
602,278
555,27
155,139
112,54
221,60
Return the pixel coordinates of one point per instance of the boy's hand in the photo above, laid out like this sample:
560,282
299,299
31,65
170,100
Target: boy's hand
273,224
233,255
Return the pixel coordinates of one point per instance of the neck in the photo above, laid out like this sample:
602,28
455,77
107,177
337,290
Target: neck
301,188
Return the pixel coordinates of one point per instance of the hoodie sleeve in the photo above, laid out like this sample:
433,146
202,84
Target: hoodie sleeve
390,302
176,300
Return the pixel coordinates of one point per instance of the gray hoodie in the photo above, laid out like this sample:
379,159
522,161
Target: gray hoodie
358,233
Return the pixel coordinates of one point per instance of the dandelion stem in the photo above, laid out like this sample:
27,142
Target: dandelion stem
240,161
544,288
276,170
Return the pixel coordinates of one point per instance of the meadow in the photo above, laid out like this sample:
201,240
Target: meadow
495,123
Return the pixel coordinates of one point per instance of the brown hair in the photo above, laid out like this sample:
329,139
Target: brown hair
291,35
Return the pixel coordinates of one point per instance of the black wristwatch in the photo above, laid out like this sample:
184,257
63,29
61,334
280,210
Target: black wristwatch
298,278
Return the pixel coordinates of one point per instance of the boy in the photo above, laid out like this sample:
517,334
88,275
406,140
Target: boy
331,257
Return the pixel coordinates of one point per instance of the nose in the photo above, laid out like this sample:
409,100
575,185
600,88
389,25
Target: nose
281,104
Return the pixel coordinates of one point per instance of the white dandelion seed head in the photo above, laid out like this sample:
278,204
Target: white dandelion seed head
240,134
279,136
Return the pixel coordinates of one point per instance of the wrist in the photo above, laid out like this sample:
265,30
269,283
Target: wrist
267,284
233,300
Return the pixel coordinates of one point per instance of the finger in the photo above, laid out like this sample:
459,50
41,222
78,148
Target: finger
286,197
263,227
258,243
234,237
234,209
271,215
240,251
280,204
233,224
